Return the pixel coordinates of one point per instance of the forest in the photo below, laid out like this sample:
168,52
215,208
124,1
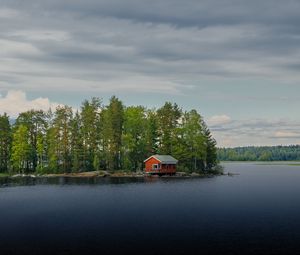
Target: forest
104,137
266,153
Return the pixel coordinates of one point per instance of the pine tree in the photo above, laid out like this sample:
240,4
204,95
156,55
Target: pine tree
151,133
53,150
90,118
5,142
113,127
168,117
41,152
59,140
76,144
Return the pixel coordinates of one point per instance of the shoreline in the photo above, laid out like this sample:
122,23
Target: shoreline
107,174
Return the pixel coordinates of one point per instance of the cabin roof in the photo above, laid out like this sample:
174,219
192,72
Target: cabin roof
164,159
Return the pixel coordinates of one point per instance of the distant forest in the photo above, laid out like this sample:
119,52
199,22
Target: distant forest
267,153
109,137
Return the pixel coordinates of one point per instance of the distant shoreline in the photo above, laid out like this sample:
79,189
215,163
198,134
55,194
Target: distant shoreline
259,161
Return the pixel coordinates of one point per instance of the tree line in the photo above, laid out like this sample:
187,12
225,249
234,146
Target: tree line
264,153
108,137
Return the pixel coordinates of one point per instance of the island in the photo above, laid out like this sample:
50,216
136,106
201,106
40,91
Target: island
100,140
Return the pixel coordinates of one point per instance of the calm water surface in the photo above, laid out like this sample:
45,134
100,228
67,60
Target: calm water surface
255,212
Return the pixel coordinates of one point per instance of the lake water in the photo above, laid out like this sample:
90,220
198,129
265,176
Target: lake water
255,212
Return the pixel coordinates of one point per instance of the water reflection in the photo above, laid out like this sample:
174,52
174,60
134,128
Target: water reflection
28,181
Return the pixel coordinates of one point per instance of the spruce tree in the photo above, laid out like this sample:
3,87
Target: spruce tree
113,127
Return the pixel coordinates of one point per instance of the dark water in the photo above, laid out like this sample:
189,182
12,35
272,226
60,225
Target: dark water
255,212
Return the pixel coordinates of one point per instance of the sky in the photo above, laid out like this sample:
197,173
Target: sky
236,62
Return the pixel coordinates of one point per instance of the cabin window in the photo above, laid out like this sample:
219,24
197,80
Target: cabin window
156,166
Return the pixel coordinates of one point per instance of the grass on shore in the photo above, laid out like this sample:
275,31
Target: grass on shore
4,175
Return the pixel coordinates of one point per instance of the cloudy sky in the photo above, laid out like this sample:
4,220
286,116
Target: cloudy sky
235,61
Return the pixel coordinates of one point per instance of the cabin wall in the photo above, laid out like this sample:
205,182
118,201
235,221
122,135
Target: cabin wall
168,168
165,168
149,163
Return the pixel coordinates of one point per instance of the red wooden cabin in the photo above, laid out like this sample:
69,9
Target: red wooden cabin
160,164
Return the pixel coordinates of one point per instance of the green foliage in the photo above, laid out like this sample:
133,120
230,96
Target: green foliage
41,151
62,125
36,124
113,127
52,150
77,149
190,146
89,131
21,149
5,142
168,117
96,162
151,133
59,140
111,137
271,153
211,149
134,143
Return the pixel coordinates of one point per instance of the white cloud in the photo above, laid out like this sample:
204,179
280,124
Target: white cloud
286,134
14,49
218,120
16,101
257,132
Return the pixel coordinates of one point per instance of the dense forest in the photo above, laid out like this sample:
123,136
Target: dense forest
109,137
267,153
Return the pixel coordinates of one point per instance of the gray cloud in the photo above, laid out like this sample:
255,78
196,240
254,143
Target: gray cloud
167,41
188,13
166,47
